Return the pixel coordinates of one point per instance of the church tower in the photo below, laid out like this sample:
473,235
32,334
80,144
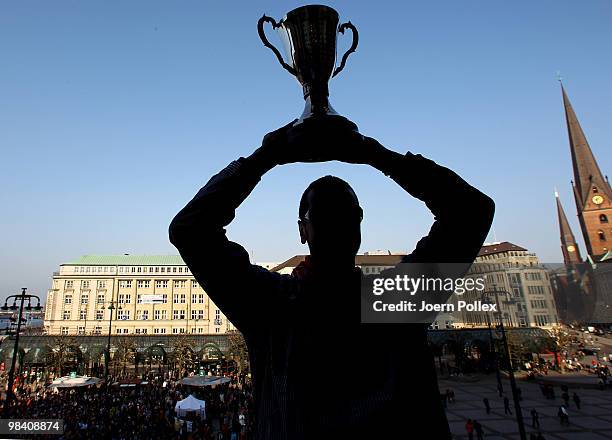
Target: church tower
591,191
569,247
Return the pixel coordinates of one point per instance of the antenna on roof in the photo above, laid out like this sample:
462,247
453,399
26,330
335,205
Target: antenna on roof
559,77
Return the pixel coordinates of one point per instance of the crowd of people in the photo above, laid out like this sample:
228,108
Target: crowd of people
141,412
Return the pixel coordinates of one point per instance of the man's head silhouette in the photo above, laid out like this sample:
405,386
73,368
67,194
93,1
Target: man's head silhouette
330,222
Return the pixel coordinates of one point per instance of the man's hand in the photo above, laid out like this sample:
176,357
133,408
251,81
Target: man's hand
317,140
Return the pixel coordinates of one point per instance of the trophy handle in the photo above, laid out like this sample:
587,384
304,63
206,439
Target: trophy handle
264,39
353,29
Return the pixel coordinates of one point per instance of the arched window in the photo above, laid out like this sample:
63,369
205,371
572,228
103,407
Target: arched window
595,190
603,218
601,235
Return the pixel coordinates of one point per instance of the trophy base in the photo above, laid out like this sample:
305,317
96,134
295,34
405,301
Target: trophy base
326,112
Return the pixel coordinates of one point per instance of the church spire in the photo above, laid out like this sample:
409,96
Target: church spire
592,192
586,171
569,247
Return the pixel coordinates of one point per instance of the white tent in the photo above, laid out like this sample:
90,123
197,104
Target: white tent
72,382
190,403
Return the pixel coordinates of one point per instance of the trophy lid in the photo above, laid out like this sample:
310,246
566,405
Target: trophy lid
310,10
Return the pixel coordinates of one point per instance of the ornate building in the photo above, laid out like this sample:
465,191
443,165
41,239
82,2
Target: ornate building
151,295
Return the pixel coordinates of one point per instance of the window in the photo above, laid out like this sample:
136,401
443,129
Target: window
143,284
194,298
85,285
64,330
97,330
67,299
66,314
157,314
99,315
123,314
541,320
200,298
180,283
83,314
125,284
142,315
601,235
165,298
183,297
178,314
161,284
81,330
603,218
160,330
535,290
217,330
84,298
101,284
197,314
194,284
150,270
100,299
121,298
538,304
175,298
69,284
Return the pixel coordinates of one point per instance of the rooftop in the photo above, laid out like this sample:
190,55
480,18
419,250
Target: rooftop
127,260
498,248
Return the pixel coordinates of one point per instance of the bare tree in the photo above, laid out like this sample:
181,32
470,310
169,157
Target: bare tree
238,350
182,353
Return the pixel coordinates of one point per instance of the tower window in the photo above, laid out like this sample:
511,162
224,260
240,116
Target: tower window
594,190
601,235
603,218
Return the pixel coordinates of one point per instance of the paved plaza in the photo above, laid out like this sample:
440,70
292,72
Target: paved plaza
592,421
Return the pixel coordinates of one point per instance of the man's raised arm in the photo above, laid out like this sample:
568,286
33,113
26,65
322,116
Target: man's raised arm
239,288
463,214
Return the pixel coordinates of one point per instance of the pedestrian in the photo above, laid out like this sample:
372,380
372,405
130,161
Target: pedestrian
563,415
478,429
565,397
487,405
576,400
535,418
469,428
507,409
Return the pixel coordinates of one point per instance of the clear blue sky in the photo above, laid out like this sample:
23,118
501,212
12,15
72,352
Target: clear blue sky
113,114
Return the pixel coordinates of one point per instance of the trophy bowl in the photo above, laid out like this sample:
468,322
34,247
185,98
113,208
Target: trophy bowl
309,35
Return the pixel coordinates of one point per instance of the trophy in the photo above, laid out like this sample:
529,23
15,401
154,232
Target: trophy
309,35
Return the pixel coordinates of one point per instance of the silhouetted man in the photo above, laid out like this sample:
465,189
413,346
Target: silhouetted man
318,371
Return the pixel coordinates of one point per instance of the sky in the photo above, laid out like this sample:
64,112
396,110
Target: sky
113,114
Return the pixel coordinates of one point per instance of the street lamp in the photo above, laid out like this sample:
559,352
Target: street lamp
515,396
21,298
111,307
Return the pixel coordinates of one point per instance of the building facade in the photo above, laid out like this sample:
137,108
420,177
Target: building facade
515,279
150,295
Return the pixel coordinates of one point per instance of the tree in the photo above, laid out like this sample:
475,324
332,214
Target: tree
238,349
60,351
126,351
182,353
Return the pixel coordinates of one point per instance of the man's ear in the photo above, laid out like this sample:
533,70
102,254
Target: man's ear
303,234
